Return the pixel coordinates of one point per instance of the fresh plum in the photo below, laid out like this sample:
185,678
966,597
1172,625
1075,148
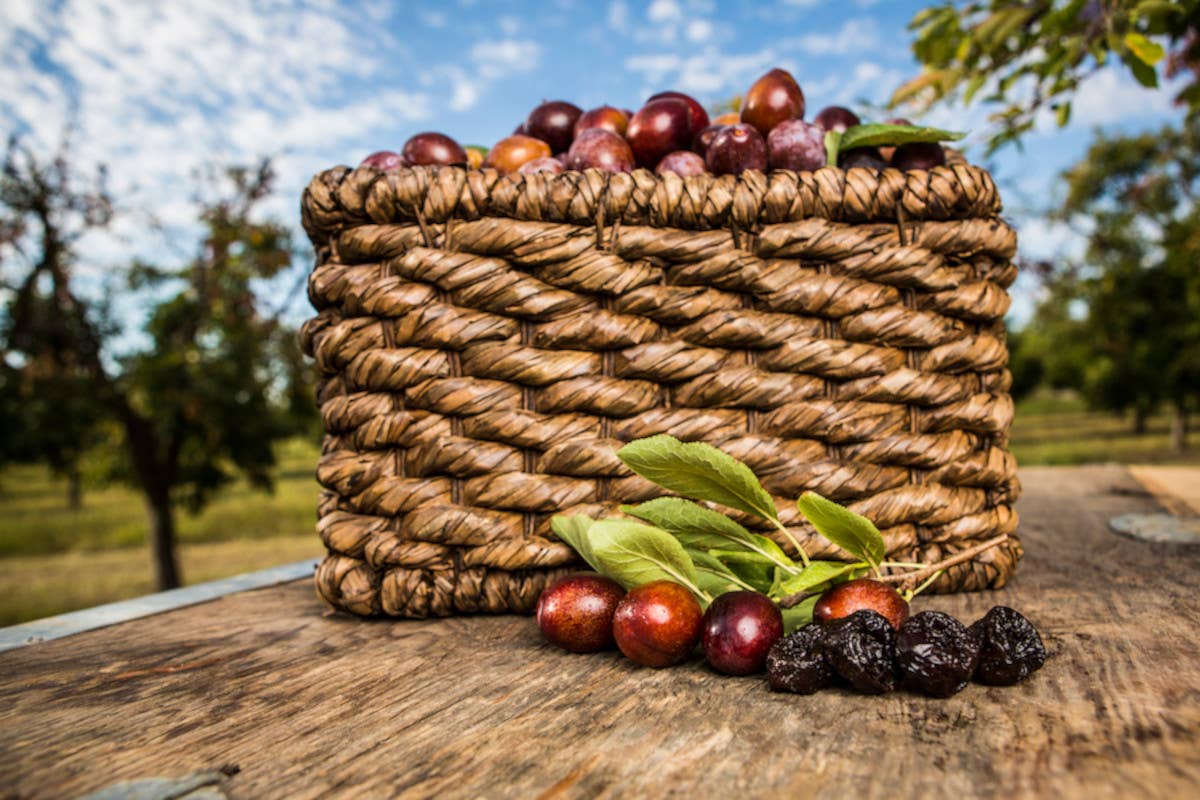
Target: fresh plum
433,148
697,116
858,595
704,138
736,149
606,117
681,162
773,98
576,612
384,160
600,149
544,164
919,155
796,144
657,624
659,127
863,157
739,629
554,123
836,118
508,154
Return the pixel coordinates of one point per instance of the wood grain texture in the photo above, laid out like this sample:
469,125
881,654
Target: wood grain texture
310,704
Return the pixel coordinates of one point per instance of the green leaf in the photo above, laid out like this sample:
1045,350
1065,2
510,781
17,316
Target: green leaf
1144,73
699,471
852,532
574,531
833,146
632,554
752,568
1148,52
877,134
816,575
799,615
700,527
712,576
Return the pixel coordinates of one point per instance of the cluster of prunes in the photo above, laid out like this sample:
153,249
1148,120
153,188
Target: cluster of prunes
932,653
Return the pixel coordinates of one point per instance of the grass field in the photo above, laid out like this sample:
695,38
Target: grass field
53,559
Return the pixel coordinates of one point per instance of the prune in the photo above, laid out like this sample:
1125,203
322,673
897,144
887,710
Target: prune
796,663
935,654
862,649
1010,648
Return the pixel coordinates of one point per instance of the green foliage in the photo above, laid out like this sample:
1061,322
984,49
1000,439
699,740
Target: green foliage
1023,56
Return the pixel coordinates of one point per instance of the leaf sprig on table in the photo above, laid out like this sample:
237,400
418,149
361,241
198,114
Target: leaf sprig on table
676,538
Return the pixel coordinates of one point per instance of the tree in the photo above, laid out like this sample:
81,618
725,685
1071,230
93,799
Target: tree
1027,55
1138,195
197,403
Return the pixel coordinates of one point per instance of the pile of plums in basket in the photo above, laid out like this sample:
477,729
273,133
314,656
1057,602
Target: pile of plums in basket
861,637
670,133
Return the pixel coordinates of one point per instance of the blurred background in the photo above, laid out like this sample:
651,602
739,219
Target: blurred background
156,415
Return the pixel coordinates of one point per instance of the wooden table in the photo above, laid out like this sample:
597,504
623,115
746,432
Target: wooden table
310,704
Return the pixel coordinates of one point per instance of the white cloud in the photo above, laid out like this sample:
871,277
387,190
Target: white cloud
496,59
855,36
617,16
699,30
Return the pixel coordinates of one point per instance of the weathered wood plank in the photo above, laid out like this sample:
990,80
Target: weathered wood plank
313,705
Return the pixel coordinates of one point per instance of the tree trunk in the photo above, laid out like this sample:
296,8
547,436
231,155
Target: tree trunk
1179,428
1140,415
162,541
74,488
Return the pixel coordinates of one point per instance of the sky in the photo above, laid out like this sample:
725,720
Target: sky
159,91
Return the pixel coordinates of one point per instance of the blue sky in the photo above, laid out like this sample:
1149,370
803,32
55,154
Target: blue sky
158,90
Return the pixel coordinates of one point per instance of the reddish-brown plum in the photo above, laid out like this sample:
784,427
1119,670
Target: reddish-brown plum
600,149
739,629
576,612
508,154
657,624
836,118
433,148
681,162
697,116
735,150
773,98
796,144
384,160
704,138
919,155
605,117
659,127
862,594
554,123
544,164
475,155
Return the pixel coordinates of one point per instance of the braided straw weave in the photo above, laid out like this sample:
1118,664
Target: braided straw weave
487,342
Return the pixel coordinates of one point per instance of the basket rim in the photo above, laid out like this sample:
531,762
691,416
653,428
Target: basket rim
344,197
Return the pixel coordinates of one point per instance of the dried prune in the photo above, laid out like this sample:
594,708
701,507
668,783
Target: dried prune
935,654
1010,648
861,648
796,663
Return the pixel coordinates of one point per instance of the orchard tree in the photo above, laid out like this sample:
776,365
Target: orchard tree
197,404
1139,198
1023,56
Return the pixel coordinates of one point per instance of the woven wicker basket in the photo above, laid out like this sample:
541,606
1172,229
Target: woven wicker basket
487,342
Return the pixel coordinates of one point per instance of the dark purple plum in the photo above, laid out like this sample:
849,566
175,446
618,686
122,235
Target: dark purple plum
682,162
659,127
862,157
796,144
736,149
554,123
606,117
704,138
836,118
697,116
919,155
433,148
544,164
508,154
384,160
598,148
739,630
773,98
